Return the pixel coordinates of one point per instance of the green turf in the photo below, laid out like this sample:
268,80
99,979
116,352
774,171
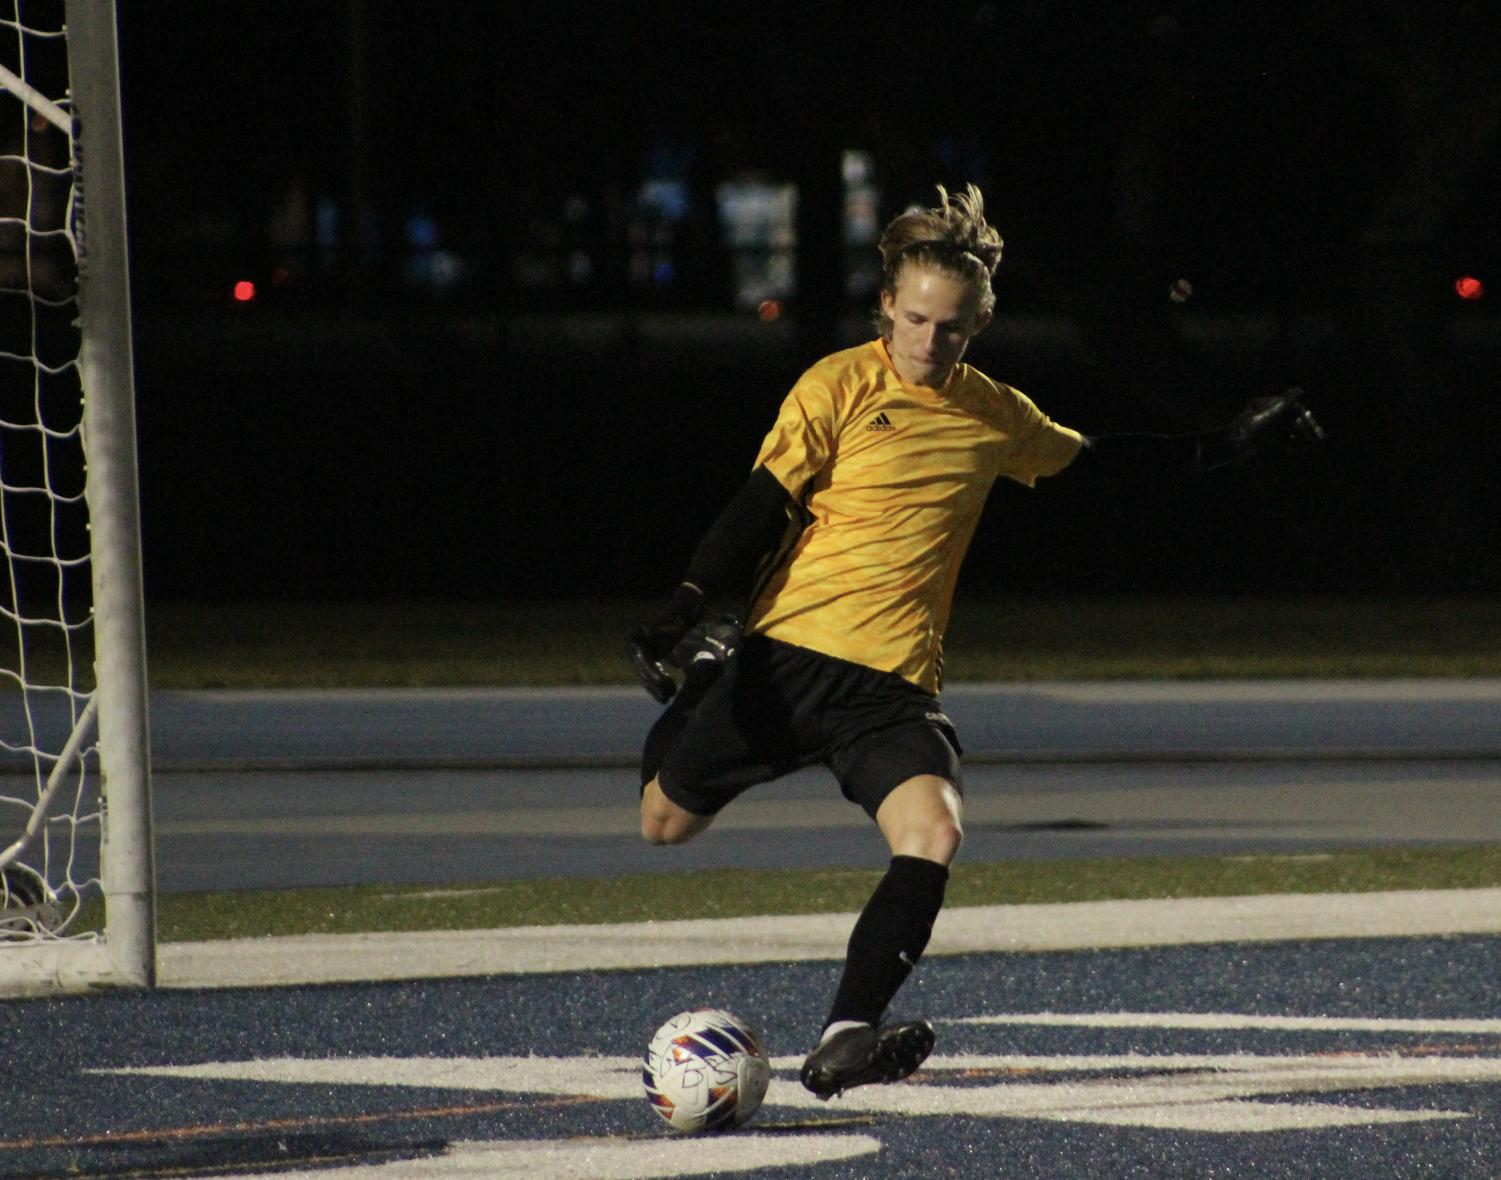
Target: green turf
291,645
727,893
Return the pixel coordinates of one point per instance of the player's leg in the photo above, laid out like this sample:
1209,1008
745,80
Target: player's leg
663,821
714,740
923,817
921,820
687,734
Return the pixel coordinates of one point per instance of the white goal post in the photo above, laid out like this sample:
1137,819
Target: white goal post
76,869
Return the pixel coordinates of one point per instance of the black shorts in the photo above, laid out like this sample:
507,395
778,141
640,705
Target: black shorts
777,708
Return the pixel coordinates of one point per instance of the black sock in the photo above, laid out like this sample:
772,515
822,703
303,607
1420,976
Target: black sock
889,938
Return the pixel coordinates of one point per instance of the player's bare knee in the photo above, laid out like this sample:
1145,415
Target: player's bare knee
663,821
922,818
657,826
938,841
673,829
658,830
947,839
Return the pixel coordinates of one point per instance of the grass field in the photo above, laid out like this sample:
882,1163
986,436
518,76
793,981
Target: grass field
293,645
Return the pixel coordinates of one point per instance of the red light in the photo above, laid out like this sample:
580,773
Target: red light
1469,287
244,291
769,310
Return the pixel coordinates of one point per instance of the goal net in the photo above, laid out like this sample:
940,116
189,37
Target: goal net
75,854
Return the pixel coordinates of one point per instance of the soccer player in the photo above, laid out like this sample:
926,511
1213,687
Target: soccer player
849,535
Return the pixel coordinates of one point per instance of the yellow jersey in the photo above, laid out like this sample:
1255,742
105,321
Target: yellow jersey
892,478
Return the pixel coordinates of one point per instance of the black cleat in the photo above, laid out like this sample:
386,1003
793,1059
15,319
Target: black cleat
860,1056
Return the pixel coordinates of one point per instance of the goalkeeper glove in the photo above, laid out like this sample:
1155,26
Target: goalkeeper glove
651,643
1281,422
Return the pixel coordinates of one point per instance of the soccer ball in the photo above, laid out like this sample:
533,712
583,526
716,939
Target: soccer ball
705,1070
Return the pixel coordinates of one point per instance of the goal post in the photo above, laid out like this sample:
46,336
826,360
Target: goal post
76,866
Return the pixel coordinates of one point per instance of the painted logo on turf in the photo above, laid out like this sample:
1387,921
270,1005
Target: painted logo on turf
1218,1094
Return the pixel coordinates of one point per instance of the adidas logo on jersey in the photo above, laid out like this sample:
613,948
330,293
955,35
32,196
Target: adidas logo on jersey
880,422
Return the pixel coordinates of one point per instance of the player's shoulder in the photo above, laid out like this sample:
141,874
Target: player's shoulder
841,377
988,395
861,362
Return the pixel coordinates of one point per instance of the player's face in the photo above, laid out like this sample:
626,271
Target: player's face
933,315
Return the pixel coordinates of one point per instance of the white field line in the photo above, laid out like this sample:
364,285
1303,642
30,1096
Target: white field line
612,1077
300,959
1217,1093
602,1159
1217,1021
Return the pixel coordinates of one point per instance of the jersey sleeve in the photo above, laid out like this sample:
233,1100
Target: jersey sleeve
1042,447
802,438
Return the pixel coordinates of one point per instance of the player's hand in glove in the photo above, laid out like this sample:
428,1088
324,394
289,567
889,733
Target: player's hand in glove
1282,421
704,650
1269,423
652,643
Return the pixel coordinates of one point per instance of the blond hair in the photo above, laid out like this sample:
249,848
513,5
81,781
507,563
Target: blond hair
952,237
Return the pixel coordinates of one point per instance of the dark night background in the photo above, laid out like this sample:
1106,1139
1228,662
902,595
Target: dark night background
498,346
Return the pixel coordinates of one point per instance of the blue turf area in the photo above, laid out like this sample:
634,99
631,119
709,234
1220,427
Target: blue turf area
1332,1058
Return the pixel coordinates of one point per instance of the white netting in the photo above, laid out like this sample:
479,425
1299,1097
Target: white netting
50,822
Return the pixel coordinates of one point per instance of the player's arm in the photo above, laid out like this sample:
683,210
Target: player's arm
1265,424
749,526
